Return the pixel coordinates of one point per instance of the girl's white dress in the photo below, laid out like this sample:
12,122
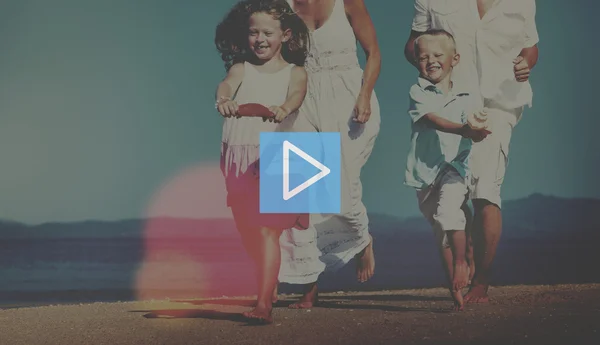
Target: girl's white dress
334,82
241,137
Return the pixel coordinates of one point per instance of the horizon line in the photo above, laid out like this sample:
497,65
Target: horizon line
401,217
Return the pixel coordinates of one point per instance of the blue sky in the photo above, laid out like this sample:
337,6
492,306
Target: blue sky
101,102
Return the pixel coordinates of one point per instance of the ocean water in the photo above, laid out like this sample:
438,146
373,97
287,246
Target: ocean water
111,269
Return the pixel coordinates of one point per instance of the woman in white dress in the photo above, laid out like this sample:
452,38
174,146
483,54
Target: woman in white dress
340,98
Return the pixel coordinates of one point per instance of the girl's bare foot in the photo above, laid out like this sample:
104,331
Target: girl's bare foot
365,263
259,315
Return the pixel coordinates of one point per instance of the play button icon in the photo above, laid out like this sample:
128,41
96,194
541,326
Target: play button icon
324,171
299,172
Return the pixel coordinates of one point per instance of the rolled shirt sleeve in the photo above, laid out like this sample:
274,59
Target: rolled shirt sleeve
422,19
421,103
531,33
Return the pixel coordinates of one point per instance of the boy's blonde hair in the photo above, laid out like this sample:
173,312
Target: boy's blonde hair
435,32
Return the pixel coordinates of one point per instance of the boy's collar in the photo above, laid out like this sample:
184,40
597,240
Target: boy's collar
457,88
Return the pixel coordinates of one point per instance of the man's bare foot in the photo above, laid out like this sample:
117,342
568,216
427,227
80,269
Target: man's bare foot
477,294
259,315
457,297
461,275
365,263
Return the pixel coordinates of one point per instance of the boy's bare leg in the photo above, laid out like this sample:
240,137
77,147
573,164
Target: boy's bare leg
268,271
468,232
486,235
456,266
309,299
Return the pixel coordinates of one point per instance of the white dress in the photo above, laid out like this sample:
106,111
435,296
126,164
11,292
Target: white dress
241,137
334,83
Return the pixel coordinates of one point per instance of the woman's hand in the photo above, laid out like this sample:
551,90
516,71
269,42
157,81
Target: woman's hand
362,109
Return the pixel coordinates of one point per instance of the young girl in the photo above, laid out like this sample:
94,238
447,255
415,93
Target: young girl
263,44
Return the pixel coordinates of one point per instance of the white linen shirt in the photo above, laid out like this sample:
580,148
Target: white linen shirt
432,152
487,46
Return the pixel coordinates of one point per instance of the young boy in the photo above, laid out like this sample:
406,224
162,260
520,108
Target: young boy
437,165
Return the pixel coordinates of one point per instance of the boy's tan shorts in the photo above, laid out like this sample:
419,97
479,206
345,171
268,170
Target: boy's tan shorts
442,202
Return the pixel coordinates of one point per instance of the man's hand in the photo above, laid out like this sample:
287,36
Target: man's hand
521,69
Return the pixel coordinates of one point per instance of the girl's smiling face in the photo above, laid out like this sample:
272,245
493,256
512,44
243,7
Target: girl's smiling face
265,36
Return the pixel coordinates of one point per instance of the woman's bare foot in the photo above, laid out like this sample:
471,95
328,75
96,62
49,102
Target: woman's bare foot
477,294
259,315
308,300
365,263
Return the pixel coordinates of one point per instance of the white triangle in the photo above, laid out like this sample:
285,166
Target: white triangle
324,171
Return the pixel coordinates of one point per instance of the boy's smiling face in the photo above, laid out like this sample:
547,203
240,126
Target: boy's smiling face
436,56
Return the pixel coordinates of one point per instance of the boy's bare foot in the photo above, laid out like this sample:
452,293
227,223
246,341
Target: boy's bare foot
259,315
365,263
461,275
457,297
477,294
471,264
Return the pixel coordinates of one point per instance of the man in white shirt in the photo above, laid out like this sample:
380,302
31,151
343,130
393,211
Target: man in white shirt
497,41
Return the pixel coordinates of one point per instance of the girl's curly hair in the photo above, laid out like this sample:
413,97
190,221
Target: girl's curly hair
231,36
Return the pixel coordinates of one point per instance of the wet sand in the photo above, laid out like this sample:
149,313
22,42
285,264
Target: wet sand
516,315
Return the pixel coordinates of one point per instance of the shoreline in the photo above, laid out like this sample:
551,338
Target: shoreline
523,314
89,296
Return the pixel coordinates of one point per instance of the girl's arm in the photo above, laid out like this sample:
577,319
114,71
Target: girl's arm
226,89
363,27
296,90
295,95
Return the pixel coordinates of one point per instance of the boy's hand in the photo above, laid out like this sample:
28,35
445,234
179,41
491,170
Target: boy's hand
476,135
279,112
521,69
227,107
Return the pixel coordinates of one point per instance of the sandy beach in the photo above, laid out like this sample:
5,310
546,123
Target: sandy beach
516,315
